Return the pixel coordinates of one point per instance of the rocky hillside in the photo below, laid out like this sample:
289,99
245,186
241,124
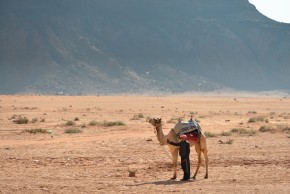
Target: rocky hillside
128,46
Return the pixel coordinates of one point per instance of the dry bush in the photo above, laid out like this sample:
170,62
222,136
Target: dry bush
37,130
226,133
137,117
93,123
243,131
71,131
265,129
70,123
210,134
21,120
256,119
112,123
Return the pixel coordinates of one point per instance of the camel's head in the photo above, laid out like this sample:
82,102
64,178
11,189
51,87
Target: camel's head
155,122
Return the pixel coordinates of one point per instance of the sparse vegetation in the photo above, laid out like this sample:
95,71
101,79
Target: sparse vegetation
210,134
265,129
244,131
284,128
249,132
106,123
76,119
252,112
34,120
70,123
112,123
256,119
235,130
83,125
70,131
21,120
37,130
226,133
138,116
93,123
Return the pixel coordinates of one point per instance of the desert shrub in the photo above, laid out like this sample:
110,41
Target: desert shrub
112,123
83,125
93,123
252,112
137,117
235,130
252,120
249,132
42,120
256,119
34,120
69,123
37,130
264,129
243,131
210,134
21,120
226,133
284,128
70,131
76,119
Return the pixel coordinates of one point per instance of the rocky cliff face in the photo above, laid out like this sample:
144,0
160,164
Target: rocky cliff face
91,47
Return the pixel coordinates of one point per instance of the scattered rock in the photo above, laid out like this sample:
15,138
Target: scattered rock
132,173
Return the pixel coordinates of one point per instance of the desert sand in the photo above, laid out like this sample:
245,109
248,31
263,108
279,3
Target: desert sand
98,158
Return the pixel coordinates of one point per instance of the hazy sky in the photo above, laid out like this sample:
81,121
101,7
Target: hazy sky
278,10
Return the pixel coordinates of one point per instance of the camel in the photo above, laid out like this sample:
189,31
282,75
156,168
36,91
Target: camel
200,146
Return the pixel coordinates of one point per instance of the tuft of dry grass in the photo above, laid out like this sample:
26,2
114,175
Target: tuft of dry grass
71,131
70,123
112,123
93,123
21,120
138,117
256,119
243,131
265,129
37,130
225,133
210,134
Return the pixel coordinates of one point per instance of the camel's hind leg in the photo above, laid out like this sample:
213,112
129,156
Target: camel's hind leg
197,149
206,162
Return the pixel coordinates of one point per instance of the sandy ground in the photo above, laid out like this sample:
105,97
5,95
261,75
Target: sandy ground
99,159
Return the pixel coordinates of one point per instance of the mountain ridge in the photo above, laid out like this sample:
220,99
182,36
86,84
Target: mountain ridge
81,47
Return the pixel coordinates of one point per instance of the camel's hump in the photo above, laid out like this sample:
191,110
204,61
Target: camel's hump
185,127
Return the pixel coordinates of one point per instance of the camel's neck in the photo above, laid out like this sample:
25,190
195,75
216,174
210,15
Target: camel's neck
160,136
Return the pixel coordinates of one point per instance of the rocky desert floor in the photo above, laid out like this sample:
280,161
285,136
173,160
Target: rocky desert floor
90,144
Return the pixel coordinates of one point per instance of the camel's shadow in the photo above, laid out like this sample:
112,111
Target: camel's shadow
166,182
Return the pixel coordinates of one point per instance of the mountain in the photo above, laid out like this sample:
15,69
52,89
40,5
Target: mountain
128,46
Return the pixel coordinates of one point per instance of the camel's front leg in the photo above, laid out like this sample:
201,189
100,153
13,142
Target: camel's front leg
174,153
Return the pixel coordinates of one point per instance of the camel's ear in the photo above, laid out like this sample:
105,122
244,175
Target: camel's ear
158,121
